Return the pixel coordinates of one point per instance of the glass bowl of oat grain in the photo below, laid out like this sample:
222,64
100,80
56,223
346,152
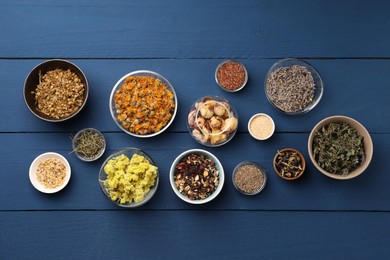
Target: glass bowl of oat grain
293,86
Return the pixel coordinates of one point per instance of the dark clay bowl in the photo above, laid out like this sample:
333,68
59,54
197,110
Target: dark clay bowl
32,81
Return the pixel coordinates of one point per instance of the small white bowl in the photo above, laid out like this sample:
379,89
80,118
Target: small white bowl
272,126
34,167
208,155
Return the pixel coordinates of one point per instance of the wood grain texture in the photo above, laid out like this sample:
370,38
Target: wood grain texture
313,191
181,29
355,88
194,234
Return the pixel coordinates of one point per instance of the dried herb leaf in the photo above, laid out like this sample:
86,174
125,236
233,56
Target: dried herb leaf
338,148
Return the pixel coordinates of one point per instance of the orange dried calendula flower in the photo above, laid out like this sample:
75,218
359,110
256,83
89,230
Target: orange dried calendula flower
144,104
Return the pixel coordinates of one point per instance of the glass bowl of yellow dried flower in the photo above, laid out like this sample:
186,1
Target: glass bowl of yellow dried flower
55,90
143,103
212,121
129,177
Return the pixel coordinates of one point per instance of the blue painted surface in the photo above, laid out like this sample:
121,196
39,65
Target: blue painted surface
314,217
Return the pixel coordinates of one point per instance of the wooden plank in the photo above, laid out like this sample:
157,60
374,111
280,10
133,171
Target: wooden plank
313,191
177,29
355,88
189,234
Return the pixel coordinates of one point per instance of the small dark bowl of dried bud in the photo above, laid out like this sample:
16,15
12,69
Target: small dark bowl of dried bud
289,164
196,176
293,86
55,90
89,144
249,178
231,75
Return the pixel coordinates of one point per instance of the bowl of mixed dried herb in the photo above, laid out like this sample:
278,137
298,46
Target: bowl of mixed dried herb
293,86
88,144
249,178
340,147
196,176
55,90
289,164
143,103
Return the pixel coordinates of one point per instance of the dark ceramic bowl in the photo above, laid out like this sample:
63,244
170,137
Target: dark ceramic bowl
32,81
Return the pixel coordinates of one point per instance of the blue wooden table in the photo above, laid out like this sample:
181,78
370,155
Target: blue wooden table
314,217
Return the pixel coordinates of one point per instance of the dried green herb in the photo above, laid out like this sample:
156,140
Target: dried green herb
89,144
338,148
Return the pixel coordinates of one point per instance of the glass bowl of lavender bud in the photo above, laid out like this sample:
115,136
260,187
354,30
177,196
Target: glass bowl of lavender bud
293,86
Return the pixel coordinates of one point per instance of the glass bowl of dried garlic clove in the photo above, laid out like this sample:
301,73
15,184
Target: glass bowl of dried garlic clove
212,121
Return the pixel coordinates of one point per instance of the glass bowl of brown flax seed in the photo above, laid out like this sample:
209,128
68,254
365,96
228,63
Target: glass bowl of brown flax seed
293,86
231,75
249,178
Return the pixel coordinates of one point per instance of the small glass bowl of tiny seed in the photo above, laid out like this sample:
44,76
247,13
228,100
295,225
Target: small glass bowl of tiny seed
249,178
289,164
89,144
231,75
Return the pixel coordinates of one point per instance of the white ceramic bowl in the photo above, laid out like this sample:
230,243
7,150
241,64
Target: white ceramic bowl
34,167
209,156
256,136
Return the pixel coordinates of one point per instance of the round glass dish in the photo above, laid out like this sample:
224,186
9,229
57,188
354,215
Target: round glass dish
34,77
218,167
232,80
82,156
249,178
318,84
212,121
145,112
128,152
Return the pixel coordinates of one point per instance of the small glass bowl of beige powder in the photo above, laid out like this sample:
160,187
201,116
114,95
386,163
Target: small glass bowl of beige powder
261,126
249,178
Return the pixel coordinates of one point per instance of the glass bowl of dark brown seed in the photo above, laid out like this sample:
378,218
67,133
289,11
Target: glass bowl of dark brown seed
231,75
196,176
88,144
249,178
55,90
293,86
289,164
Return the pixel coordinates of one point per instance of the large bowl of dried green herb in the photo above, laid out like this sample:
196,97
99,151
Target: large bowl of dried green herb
340,147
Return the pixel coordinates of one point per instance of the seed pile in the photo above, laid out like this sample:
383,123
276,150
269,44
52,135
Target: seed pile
196,177
231,75
144,105
51,173
291,89
249,178
60,93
